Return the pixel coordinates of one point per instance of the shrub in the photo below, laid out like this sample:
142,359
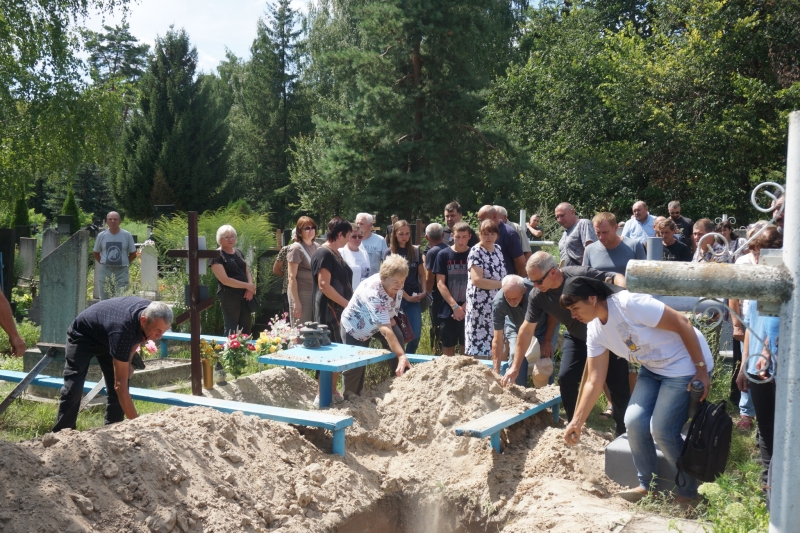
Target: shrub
70,207
21,213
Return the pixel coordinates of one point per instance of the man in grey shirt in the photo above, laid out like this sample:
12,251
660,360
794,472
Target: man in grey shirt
508,314
578,234
611,252
114,250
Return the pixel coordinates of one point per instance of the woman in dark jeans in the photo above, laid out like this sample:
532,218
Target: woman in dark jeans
332,285
236,286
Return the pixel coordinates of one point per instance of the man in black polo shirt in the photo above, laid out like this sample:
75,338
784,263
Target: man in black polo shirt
111,331
548,281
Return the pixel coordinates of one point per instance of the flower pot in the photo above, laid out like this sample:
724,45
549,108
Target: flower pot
220,377
208,374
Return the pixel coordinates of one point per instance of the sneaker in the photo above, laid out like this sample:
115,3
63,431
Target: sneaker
745,423
316,402
337,397
633,495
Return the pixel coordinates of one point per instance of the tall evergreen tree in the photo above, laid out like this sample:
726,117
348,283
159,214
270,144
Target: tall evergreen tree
407,139
180,131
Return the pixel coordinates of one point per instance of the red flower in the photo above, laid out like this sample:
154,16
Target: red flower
232,337
235,344
245,336
251,347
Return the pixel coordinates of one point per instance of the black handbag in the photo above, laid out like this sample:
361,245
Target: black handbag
405,326
253,304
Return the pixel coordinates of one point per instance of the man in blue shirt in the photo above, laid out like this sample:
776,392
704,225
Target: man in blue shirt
112,331
640,227
507,240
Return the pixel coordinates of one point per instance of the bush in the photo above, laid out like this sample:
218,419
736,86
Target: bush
21,213
70,207
27,330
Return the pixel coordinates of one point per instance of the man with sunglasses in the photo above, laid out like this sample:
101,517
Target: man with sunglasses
548,282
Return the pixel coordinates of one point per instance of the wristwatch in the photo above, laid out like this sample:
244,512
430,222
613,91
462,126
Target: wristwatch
700,364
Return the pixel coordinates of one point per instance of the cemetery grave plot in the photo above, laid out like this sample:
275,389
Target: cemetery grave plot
200,470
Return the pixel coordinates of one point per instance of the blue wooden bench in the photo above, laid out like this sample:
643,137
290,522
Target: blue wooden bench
334,423
416,358
187,337
491,424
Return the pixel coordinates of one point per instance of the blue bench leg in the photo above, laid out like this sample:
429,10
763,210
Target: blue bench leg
338,442
325,388
556,409
494,438
163,348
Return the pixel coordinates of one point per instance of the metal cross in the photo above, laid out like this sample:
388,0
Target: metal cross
195,305
778,284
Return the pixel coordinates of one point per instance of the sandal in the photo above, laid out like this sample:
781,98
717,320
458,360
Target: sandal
745,423
607,414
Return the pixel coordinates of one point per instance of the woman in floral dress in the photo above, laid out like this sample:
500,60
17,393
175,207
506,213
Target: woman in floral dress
486,271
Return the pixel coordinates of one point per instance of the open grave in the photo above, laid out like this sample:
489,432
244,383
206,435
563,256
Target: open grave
195,469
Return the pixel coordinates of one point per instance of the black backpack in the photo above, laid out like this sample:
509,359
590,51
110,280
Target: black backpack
707,445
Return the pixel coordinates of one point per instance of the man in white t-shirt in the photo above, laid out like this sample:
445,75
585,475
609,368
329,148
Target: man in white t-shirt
114,250
374,244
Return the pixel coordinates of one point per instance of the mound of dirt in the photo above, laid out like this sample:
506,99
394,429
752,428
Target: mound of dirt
279,387
200,470
180,470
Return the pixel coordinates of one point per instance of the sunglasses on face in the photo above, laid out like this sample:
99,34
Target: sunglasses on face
359,237
310,228
540,281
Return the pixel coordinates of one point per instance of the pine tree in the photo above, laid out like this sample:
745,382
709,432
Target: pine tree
413,78
70,207
181,131
21,217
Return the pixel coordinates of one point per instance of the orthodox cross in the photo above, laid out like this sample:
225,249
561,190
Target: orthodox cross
775,284
192,255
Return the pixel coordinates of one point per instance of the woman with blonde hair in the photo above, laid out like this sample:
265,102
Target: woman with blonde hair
301,308
413,291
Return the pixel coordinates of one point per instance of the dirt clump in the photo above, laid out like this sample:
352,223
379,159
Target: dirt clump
279,387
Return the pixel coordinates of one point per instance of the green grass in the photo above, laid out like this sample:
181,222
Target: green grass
135,228
27,330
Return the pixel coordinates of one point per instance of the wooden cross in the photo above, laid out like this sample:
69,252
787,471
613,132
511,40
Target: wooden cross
195,305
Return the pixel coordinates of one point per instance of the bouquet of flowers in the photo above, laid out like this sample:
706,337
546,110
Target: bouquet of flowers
235,353
147,349
281,336
210,350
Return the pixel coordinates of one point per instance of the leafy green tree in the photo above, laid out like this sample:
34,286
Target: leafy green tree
180,134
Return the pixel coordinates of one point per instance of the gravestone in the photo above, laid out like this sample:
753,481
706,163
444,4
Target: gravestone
50,241
27,256
62,286
149,269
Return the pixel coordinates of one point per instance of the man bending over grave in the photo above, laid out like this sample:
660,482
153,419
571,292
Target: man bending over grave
114,250
111,331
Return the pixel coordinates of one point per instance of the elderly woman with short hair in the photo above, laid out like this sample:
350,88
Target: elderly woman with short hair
236,286
371,311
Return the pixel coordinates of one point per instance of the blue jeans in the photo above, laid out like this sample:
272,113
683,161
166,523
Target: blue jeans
657,411
413,311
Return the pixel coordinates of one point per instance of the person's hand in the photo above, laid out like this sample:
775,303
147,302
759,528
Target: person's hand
510,377
742,381
459,313
762,366
402,366
250,287
546,349
702,376
421,295
738,332
298,310
17,345
248,295
573,434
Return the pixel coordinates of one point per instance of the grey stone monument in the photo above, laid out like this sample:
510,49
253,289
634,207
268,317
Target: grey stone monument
62,286
27,256
50,241
149,269
96,287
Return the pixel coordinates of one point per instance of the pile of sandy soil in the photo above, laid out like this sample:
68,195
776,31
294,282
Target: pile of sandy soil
200,470
279,387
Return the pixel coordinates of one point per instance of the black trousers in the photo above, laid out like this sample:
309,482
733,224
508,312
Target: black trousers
573,361
436,324
78,357
763,396
235,311
735,395
354,378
